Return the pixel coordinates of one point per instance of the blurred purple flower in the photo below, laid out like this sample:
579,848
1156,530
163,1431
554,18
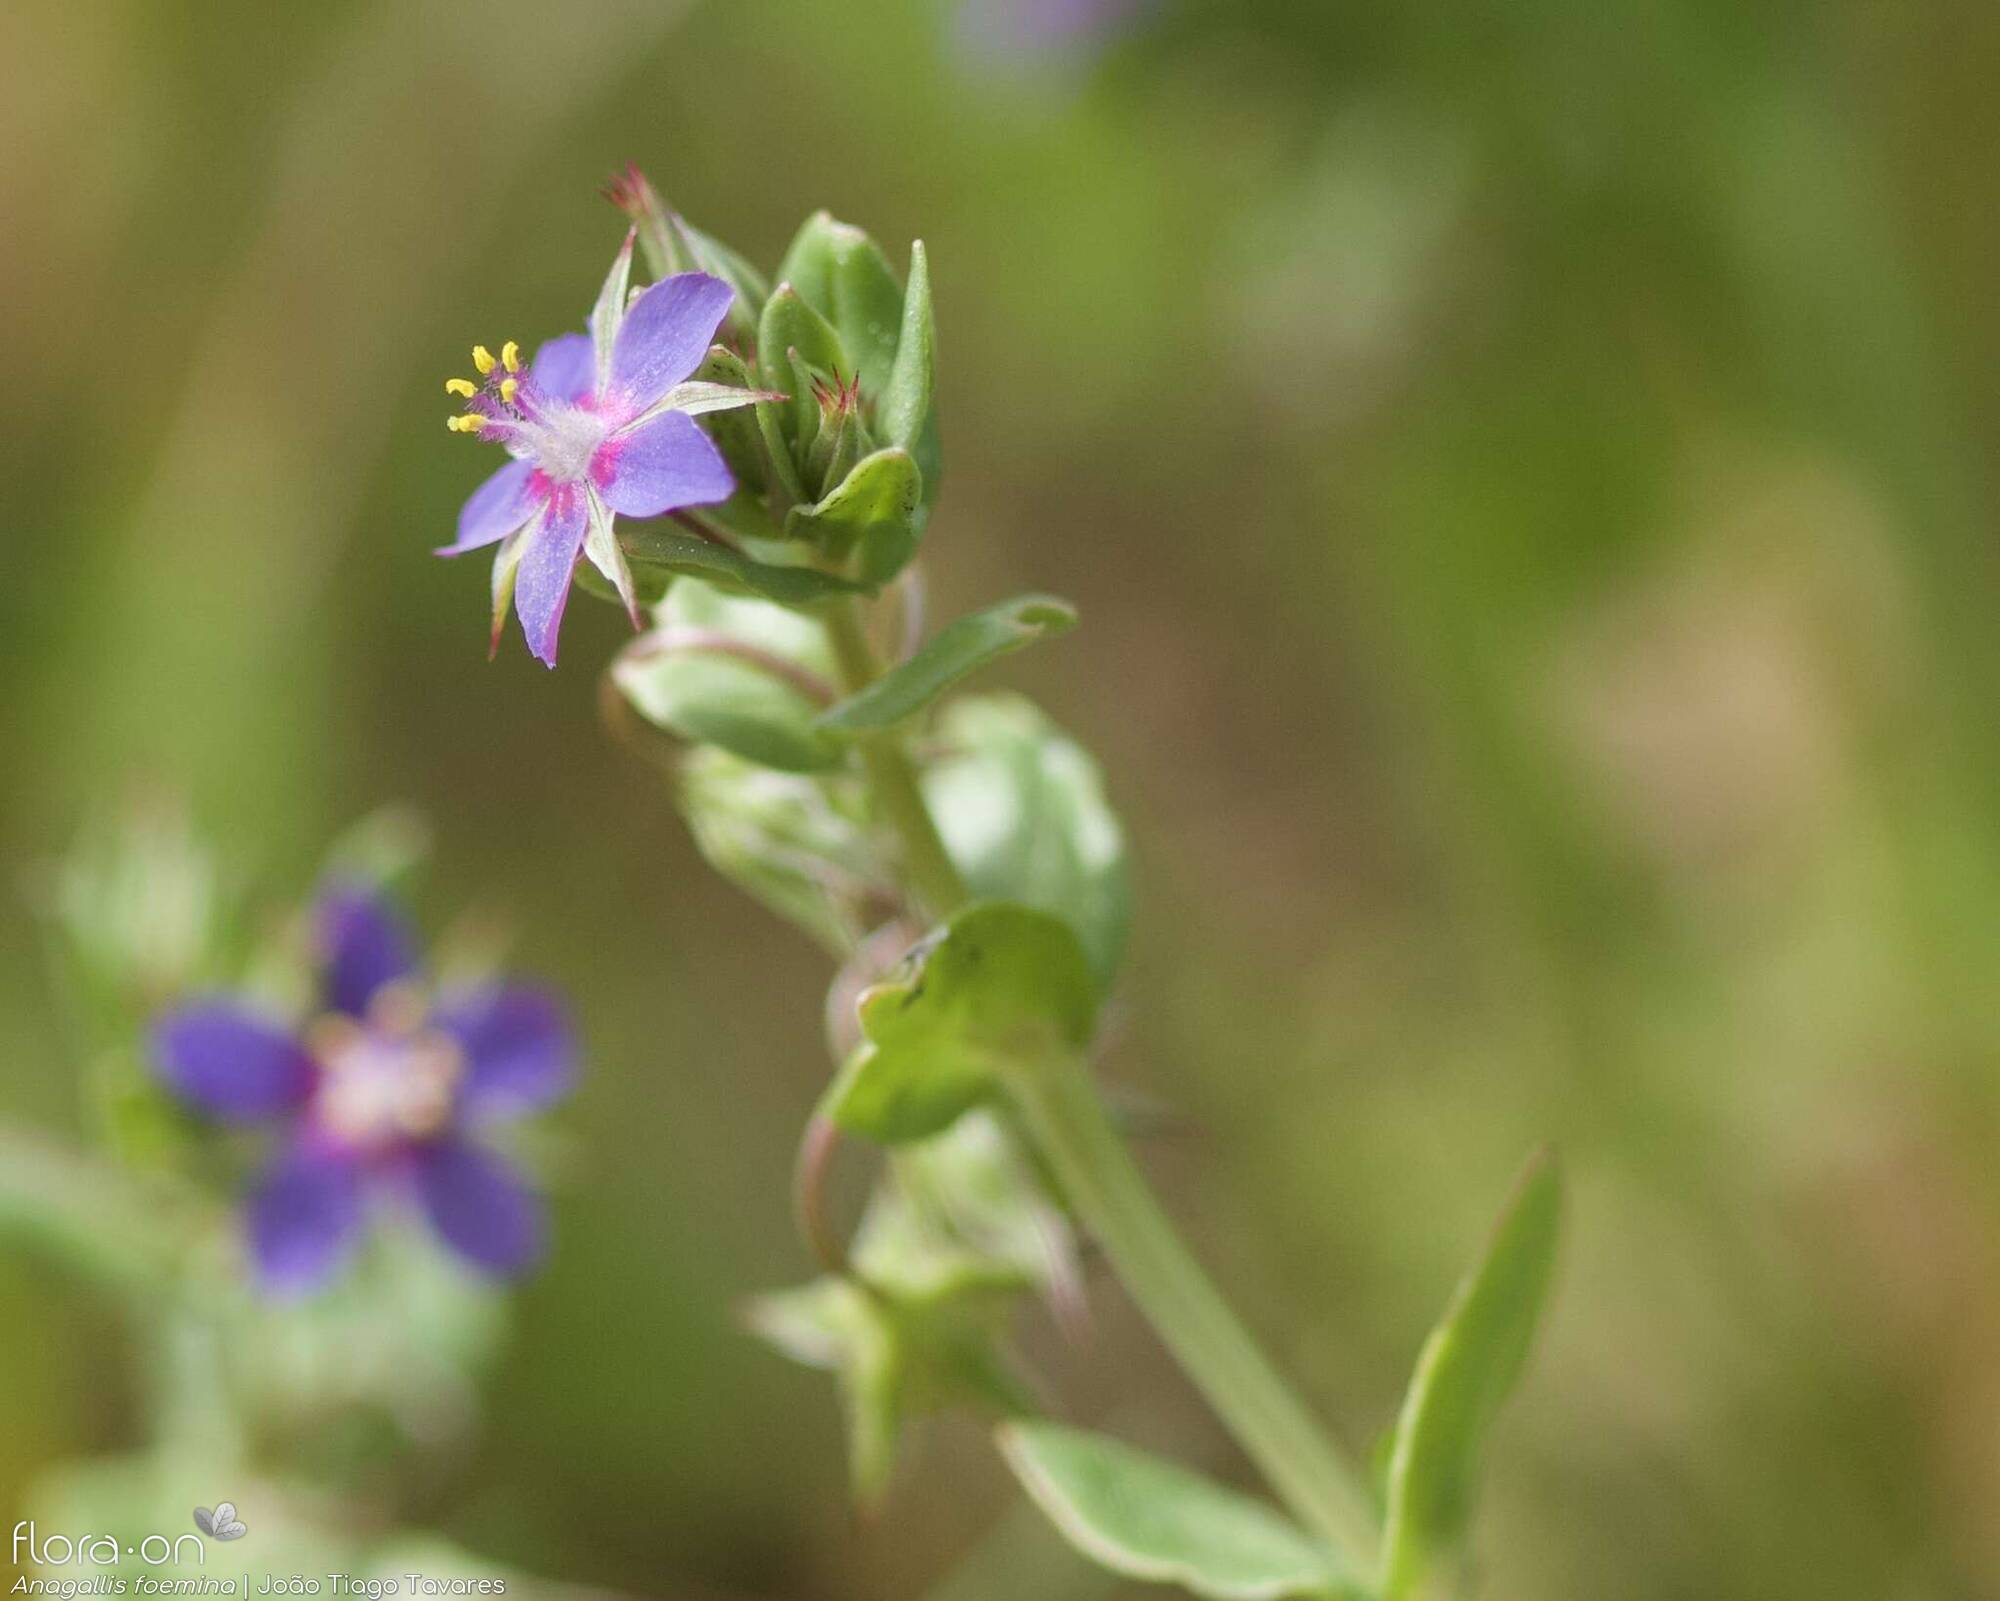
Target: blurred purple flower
382,1095
599,425
1025,32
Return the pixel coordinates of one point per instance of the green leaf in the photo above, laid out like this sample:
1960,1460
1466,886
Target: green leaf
999,985
1465,1371
1151,1520
873,517
662,546
905,409
1022,810
960,648
843,275
686,679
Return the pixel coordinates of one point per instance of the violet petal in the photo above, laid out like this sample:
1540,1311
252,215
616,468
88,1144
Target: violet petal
564,367
304,1218
520,1054
496,508
231,1063
541,586
660,465
665,335
480,1206
363,945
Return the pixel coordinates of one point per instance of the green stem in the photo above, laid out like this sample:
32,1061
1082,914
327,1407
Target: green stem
898,799
1067,1121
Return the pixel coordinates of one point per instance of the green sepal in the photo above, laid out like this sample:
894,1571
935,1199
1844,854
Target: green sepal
846,277
959,648
842,441
790,328
872,519
665,547
734,429
905,413
1466,1370
1024,816
998,987
1153,1520
710,696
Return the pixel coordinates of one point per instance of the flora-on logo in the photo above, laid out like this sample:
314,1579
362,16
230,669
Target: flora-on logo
222,1523
100,1550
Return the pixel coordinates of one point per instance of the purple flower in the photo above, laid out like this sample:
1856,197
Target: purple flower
382,1096
600,425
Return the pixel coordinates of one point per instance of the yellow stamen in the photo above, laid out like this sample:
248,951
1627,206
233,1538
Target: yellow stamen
510,356
482,358
509,388
461,386
470,423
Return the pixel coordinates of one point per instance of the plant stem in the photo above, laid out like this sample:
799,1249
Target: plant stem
900,802
1066,1120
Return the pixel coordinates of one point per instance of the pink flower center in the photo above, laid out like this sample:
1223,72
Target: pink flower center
387,1080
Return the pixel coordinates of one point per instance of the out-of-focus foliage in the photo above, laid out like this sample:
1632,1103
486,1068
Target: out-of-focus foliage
1527,478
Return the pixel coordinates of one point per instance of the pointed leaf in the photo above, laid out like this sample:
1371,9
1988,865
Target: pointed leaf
998,985
959,649
1152,1520
873,517
906,401
1466,1370
661,545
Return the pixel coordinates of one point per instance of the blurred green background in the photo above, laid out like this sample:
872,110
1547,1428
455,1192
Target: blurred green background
1526,474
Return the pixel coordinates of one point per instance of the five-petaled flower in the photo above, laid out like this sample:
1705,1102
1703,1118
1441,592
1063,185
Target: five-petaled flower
382,1096
600,425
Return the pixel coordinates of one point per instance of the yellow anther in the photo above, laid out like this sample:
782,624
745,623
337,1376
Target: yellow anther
461,386
510,356
482,358
469,423
509,388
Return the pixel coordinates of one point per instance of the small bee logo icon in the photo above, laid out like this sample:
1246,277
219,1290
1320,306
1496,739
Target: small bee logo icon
222,1523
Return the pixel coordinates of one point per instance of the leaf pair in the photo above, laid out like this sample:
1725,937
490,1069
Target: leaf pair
1148,1519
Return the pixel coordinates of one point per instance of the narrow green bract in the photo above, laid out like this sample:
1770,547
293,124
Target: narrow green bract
1465,1372
960,648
